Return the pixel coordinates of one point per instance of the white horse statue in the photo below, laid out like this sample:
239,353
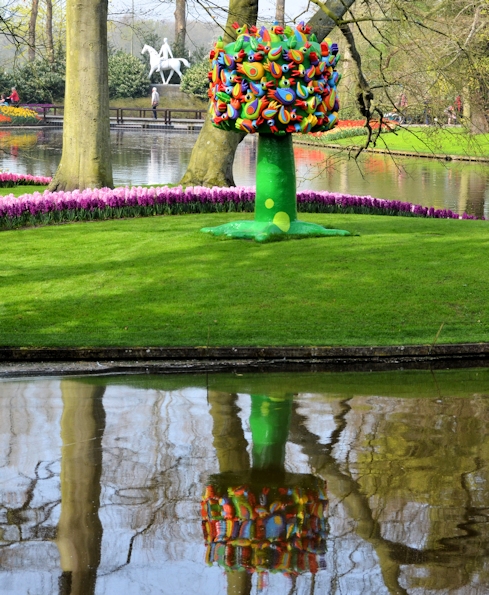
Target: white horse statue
157,63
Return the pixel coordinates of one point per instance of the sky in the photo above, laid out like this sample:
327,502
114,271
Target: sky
164,10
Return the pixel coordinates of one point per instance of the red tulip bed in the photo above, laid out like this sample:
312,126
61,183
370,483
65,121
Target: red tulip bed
350,128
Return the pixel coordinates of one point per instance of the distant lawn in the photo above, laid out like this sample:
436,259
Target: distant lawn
20,190
159,281
440,141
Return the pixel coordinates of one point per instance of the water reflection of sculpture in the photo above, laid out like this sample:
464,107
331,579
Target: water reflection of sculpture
388,466
260,519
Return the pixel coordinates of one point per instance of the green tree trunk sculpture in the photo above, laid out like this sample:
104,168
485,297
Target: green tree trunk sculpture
275,202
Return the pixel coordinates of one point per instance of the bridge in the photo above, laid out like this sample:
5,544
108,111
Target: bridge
131,117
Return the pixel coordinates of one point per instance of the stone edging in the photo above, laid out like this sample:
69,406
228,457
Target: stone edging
37,361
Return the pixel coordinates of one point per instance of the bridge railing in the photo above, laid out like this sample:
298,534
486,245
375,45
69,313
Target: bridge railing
122,114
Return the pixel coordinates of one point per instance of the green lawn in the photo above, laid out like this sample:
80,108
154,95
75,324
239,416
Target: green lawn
428,140
20,190
161,282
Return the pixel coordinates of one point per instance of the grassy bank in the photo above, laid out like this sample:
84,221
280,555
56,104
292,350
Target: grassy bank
423,140
161,282
20,190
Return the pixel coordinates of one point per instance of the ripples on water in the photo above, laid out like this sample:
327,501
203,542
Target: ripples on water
162,157
101,482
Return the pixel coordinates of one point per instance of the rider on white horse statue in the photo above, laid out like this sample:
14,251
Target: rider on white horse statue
164,60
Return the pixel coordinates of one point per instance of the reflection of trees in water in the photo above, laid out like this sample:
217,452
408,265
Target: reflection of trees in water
414,476
444,185
24,517
407,478
473,189
152,479
79,534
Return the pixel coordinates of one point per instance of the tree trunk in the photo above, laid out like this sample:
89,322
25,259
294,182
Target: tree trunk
211,162
49,30
280,12
32,30
322,24
86,157
180,28
475,114
228,436
213,154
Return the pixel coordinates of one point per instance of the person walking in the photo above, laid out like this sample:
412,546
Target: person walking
155,100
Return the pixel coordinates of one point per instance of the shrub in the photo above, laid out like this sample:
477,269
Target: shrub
127,76
195,80
41,81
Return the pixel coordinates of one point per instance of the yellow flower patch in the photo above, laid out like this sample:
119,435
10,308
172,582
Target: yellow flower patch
21,112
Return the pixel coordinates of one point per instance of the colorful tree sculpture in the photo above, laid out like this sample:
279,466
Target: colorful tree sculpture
274,82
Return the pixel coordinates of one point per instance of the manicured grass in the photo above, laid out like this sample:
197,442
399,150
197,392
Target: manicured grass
429,140
159,281
20,190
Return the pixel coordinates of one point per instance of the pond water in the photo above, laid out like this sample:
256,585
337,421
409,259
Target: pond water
326,483
161,157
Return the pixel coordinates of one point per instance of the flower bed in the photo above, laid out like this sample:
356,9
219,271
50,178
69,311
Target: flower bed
339,133
374,124
8,180
350,128
56,207
18,116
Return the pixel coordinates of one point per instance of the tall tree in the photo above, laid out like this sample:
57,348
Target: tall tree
86,157
32,30
280,12
180,27
49,30
435,55
211,162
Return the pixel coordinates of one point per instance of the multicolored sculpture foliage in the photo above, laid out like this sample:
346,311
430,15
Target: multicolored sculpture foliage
274,82
266,529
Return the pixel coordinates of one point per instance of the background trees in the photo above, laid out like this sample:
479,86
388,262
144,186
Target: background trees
211,162
431,54
419,57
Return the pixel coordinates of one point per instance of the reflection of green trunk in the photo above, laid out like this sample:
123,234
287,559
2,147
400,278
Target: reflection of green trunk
79,529
275,204
269,422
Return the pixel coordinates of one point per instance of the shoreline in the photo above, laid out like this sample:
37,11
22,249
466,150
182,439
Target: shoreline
440,157
18,362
